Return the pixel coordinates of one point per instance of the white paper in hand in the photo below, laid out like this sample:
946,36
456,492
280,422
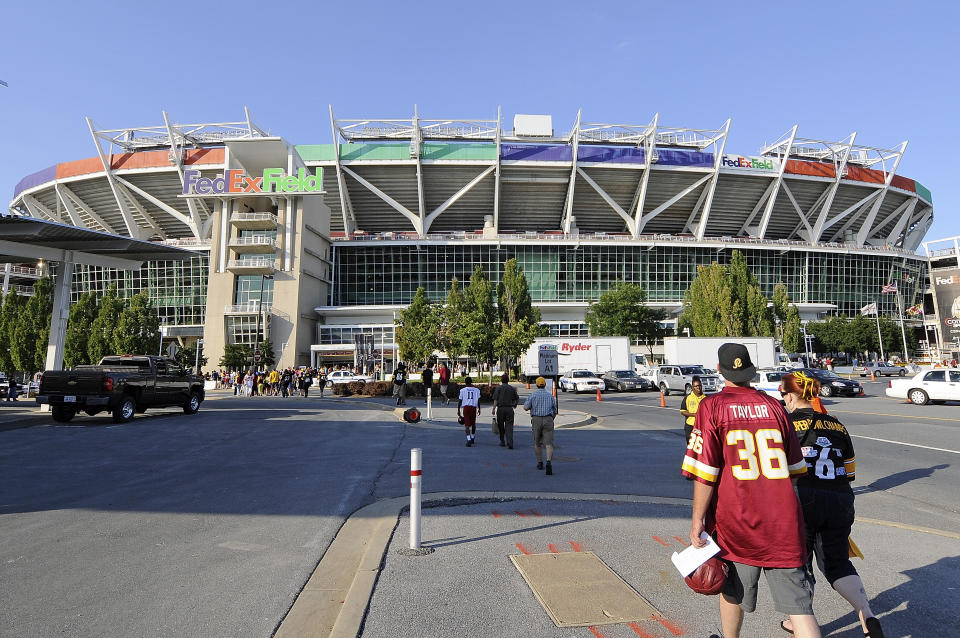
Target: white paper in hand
692,557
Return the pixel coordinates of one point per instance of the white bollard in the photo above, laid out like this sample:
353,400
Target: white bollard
416,471
429,403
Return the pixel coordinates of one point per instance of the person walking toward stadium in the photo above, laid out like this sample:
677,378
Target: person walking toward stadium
825,494
744,458
443,375
505,399
321,380
468,407
400,383
426,377
542,407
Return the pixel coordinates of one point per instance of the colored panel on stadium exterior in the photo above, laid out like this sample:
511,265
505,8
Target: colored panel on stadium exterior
35,179
617,154
438,151
923,192
374,151
905,183
860,174
813,169
536,152
316,152
682,157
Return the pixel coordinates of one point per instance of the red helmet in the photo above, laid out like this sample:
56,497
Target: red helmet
708,579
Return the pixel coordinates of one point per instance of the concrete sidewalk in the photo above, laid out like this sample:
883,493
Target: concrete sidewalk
368,585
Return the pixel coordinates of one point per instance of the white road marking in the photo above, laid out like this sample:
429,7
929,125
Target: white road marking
925,447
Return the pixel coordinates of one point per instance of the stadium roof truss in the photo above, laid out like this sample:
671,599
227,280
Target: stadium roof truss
138,202
630,198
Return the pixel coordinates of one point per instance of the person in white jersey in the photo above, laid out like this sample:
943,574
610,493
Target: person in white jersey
468,408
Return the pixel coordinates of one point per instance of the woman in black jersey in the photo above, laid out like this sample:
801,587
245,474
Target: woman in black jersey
825,493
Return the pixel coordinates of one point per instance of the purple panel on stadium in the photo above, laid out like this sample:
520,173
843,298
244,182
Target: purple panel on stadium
536,152
681,157
35,179
622,155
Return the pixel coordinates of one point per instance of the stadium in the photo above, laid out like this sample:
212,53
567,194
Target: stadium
396,204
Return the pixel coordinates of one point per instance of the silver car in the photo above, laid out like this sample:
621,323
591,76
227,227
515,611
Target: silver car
621,380
680,378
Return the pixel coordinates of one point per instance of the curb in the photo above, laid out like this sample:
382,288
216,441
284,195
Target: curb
586,420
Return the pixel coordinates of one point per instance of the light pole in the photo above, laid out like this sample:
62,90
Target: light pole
259,337
196,363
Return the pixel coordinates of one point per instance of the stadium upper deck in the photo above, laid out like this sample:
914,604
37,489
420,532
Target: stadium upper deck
423,177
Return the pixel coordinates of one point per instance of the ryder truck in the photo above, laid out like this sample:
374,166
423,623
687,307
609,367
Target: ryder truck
597,354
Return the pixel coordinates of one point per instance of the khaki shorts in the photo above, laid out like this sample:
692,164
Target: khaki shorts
790,587
542,430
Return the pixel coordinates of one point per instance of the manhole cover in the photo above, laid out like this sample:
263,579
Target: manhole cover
577,589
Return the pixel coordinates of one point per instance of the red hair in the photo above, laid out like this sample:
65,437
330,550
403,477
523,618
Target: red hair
804,386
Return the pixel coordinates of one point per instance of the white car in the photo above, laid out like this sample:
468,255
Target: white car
346,376
768,382
880,369
581,381
929,386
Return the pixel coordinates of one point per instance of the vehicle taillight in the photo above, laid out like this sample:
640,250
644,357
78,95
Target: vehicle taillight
108,384
40,387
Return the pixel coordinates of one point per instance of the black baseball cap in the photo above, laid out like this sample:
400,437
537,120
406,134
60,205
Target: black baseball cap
734,363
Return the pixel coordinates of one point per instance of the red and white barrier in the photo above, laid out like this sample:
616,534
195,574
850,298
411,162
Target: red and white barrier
416,473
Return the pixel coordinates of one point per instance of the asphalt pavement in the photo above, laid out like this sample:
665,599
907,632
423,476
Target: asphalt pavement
211,525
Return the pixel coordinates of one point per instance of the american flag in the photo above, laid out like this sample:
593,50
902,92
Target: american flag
891,287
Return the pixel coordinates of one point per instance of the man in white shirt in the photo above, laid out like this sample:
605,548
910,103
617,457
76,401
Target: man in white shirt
468,408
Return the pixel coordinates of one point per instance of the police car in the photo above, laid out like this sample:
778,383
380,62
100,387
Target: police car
581,381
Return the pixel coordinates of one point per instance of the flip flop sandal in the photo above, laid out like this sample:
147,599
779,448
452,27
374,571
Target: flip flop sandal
783,626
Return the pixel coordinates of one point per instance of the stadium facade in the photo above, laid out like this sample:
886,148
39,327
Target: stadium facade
310,245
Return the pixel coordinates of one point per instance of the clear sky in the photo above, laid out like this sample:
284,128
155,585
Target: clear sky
887,70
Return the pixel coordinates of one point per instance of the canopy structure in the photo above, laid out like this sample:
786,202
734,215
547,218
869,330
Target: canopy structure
30,239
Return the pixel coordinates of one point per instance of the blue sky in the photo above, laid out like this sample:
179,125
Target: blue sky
882,69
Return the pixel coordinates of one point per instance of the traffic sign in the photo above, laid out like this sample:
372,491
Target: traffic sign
257,355
548,359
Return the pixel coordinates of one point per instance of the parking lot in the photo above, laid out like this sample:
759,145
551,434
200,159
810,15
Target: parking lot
209,525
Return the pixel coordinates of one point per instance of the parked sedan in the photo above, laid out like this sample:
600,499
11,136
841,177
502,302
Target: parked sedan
346,376
768,382
832,383
621,380
581,381
929,386
879,369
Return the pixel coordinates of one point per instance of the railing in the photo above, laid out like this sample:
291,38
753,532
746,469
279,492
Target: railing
255,240
249,308
25,271
267,262
253,217
615,237
186,242
26,291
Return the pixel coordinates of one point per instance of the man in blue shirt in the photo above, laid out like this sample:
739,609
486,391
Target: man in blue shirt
542,407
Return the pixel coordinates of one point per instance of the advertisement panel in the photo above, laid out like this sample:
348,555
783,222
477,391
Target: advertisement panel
765,164
946,293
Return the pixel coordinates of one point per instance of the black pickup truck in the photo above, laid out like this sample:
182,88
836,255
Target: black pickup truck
122,385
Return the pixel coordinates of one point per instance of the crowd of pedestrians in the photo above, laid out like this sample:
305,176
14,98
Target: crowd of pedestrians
288,382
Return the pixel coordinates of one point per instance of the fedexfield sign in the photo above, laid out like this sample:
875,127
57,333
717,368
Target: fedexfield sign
751,163
234,182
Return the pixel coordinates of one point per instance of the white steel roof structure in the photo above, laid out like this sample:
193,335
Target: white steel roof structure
437,177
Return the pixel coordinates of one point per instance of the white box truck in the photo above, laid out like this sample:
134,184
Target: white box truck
703,350
597,354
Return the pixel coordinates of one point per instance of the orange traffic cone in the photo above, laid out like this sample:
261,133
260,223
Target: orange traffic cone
663,401
554,390
599,396
528,384
873,377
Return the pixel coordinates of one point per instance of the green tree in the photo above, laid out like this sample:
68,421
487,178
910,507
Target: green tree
100,342
187,356
792,337
79,327
267,357
236,356
28,348
622,312
781,305
138,328
9,318
519,319
451,336
478,328
708,308
758,321
417,330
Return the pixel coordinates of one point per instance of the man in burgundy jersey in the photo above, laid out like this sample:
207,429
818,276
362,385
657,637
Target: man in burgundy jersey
743,455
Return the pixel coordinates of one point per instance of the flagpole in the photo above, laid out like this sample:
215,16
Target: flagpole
876,314
903,332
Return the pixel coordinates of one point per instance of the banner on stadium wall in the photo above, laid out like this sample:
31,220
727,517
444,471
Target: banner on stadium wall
946,293
751,163
238,184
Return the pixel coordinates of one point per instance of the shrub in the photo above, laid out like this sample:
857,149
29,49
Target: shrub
378,389
341,389
356,387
